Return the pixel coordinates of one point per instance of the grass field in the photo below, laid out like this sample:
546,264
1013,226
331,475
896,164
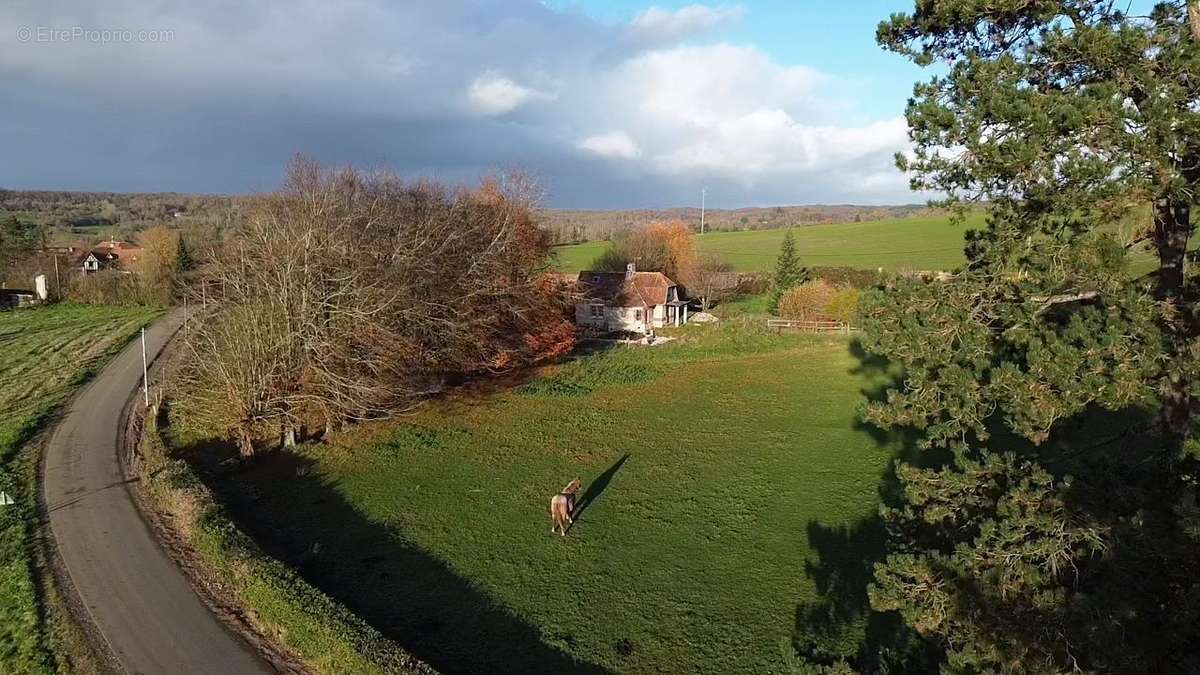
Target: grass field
46,353
907,243
717,470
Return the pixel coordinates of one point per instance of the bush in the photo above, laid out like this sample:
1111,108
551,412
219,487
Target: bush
843,305
753,283
583,376
806,301
846,276
820,300
110,287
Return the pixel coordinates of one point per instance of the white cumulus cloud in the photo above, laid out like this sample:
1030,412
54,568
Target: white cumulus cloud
657,23
614,144
494,94
729,112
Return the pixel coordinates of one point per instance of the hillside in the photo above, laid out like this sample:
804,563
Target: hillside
572,226
924,243
72,214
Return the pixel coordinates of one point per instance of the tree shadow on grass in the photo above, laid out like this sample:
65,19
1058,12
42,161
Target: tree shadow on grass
598,486
1102,449
409,595
840,624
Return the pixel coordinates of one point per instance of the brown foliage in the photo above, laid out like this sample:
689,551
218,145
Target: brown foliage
820,300
106,287
662,246
362,292
157,266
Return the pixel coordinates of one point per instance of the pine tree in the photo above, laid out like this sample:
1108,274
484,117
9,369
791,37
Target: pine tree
1053,523
789,273
183,256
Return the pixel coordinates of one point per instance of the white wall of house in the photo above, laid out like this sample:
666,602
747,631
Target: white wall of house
626,318
617,318
587,317
660,316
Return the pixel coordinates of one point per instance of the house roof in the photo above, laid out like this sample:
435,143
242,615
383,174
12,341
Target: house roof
642,289
120,252
118,247
102,255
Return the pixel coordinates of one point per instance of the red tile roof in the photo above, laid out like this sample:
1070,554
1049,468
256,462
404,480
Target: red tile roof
642,289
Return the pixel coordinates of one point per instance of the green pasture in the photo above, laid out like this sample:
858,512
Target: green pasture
899,244
721,472
44,354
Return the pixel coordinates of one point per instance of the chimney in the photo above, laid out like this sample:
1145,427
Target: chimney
630,270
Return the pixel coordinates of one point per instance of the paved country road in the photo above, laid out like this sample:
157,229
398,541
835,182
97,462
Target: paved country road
141,603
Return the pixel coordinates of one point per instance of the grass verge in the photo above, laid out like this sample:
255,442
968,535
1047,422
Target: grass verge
329,637
48,352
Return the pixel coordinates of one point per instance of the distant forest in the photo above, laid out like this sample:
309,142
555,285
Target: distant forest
569,226
68,217
71,216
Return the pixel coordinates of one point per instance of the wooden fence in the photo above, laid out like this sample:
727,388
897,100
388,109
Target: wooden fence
804,326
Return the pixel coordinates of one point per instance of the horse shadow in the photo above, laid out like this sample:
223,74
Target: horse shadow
597,488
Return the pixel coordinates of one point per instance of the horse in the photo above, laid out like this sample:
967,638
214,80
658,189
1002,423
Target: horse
561,506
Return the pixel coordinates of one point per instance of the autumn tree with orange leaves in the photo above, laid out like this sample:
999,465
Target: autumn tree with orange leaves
667,246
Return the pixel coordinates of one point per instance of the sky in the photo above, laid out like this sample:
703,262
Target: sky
609,103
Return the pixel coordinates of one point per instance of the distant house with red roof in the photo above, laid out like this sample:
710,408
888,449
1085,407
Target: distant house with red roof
632,301
119,255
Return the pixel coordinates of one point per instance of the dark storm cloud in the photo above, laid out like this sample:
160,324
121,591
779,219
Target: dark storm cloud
216,97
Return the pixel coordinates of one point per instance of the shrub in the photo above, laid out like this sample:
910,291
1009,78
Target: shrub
753,283
110,287
843,305
846,276
806,301
817,300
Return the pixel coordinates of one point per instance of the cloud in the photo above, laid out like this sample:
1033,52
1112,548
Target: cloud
493,94
731,112
657,23
609,115
614,144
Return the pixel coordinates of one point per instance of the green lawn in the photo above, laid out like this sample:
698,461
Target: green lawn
715,468
46,353
906,243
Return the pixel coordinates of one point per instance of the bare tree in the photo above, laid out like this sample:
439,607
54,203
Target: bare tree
713,281
363,292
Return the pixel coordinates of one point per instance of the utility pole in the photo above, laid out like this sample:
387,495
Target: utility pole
57,281
145,371
702,191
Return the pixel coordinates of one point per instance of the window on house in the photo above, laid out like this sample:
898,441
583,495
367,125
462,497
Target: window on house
637,315
597,311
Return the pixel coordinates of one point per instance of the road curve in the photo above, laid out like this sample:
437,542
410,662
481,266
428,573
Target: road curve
140,602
